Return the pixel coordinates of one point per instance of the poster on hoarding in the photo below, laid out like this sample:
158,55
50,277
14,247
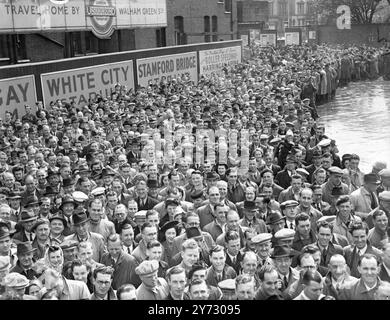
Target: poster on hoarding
213,61
15,93
268,39
80,85
312,35
157,69
292,38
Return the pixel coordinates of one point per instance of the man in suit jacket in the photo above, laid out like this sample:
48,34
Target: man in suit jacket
283,178
282,259
70,289
360,246
207,242
219,270
312,281
123,263
206,212
234,256
216,227
144,202
384,273
292,192
365,288
325,244
317,156
268,180
337,278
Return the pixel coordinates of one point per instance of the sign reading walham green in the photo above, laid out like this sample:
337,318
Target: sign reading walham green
102,17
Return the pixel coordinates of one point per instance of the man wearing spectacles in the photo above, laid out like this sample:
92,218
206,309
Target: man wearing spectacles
102,279
305,262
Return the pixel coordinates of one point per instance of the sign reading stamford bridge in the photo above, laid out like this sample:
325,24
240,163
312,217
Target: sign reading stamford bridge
102,17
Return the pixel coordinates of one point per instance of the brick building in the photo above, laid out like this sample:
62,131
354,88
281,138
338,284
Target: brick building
252,14
290,13
195,21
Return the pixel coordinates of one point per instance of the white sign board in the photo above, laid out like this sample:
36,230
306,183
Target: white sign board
15,93
82,84
156,69
292,38
268,39
213,61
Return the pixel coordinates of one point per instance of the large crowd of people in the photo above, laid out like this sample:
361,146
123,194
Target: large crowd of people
224,189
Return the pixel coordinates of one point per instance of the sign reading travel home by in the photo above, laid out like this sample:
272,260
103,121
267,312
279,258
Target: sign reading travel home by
100,16
15,93
80,85
157,69
213,61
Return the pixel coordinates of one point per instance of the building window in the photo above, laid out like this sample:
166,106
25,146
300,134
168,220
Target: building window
206,21
91,42
240,13
310,8
214,29
300,8
180,36
161,38
4,46
271,8
283,8
228,5
77,44
83,43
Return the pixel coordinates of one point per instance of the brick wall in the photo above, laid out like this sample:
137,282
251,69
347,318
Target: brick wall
52,49
145,38
358,34
193,12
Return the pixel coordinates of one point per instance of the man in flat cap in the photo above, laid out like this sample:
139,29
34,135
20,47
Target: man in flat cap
245,288
15,285
152,287
70,250
365,199
262,243
288,209
334,182
384,175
